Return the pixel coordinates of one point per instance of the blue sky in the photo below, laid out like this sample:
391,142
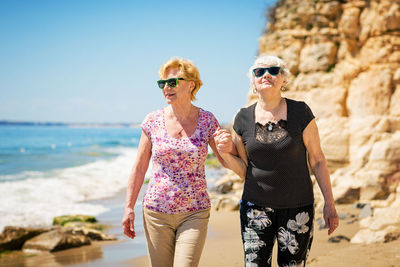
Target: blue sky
97,61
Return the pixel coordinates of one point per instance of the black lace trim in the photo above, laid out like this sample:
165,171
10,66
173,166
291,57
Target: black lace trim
271,132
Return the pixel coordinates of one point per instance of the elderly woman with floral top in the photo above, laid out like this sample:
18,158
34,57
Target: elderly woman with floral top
176,206
276,138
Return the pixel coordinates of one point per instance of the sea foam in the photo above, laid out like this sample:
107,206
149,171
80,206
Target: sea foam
41,196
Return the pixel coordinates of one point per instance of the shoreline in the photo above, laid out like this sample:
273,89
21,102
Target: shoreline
105,253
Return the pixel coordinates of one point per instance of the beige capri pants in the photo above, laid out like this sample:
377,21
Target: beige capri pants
175,239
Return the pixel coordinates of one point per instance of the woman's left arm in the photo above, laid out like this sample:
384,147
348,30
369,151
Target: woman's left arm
317,162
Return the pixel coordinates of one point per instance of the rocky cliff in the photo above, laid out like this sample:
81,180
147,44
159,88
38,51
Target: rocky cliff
345,61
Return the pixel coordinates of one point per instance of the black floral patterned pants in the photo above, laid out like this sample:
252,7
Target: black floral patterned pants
293,227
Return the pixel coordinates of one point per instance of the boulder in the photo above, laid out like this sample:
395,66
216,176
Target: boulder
225,187
389,237
370,92
95,226
317,57
58,239
62,220
13,238
93,234
368,236
379,18
380,50
349,22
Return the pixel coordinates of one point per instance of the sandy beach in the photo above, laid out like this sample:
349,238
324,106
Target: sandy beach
223,248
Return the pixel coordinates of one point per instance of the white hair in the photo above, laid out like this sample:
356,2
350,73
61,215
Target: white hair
267,60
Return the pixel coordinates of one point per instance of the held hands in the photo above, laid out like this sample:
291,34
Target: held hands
128,223
223,141
331,218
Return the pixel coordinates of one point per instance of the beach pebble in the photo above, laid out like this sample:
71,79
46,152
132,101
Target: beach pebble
338,239
352,221
359,205
343,216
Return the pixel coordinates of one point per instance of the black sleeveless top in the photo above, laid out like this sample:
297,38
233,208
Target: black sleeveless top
277,174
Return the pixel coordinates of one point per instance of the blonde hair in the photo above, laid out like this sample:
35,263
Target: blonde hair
187,70
268,60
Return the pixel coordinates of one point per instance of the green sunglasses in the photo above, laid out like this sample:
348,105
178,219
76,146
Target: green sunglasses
173,82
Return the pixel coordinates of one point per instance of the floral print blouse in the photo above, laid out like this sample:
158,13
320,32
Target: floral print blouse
177,183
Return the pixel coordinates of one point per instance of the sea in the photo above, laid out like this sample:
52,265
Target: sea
48,171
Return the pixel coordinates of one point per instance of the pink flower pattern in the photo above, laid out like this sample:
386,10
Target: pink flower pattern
177,183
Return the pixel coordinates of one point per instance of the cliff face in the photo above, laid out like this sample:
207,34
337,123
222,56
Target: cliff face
345,61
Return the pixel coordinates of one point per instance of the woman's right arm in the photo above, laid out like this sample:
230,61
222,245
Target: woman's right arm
224,142
135,183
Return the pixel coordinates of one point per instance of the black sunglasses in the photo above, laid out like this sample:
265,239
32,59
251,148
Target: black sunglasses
173,82
259,72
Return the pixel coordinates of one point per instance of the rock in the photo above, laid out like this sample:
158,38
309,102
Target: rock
335,146
359,205
56,240
12,238
368,236
369,93
333,108
343,216
338,239
380,50
317,57
225,188
383,216
229,204
351,195
389,237
352,221
365,212
61,220
395,103
349,22
345,57
347,48
93,234
95,226
379,18
329,9
291,54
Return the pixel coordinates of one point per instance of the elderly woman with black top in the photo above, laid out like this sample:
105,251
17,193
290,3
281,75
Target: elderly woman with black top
274,139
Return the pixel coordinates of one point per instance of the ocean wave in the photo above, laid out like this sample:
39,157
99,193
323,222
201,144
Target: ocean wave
34,198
